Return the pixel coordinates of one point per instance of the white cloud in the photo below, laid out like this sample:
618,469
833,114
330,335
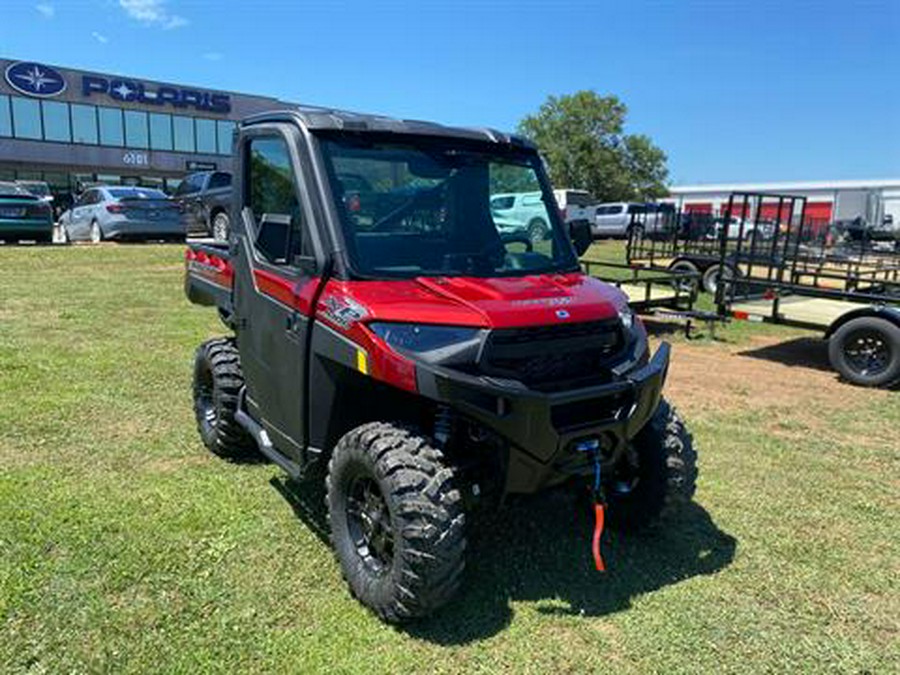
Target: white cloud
102,39
45,10
175,21
153,13
213,56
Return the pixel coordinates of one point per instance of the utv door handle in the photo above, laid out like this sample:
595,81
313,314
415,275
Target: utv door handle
292,322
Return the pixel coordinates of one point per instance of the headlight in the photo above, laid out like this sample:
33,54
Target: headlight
626,316
438,344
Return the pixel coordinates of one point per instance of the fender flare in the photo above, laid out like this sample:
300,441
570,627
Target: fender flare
888,312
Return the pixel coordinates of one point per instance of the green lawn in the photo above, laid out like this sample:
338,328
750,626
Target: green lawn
125,547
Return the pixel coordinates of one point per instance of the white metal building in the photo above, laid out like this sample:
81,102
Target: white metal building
872,200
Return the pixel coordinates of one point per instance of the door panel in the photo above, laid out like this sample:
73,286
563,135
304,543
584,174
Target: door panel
274,328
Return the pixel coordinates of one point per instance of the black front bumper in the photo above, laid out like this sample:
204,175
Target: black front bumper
542,429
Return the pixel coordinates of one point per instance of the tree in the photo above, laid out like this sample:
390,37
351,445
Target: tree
581,136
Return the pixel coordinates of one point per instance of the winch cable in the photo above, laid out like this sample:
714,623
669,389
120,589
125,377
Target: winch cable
599,515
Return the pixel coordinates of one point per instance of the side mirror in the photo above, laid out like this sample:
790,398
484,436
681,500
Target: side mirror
273,237
580,234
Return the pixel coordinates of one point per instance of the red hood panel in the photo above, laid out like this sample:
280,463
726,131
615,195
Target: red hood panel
502,302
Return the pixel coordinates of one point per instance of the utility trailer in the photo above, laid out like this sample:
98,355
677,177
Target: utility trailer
809,278
664,293
647,289
692,242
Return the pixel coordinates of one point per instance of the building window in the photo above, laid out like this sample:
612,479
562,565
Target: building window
224,131
111,128
84,124
5,117
184,133
56,121
136,132
26,114
160,131
206,136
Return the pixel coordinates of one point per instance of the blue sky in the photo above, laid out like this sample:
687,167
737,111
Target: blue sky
731,90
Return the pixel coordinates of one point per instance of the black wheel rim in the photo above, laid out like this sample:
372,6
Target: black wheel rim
205,398
369,523
867,352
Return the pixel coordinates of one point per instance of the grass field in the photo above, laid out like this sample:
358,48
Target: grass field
125,547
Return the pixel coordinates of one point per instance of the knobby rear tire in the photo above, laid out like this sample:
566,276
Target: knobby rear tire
218,380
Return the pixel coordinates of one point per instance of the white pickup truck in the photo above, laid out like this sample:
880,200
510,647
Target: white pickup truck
575,204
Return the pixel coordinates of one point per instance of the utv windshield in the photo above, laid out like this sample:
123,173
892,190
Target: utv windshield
433,207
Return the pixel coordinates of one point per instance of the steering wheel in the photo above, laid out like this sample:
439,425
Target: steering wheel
406,206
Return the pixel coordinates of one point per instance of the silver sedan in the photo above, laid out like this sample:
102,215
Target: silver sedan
113,212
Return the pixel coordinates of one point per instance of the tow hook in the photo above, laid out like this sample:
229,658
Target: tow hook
592,448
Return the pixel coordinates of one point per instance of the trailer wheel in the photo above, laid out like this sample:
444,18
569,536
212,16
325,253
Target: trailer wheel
217,384
397,521
711,279
665,474
685,266
866,351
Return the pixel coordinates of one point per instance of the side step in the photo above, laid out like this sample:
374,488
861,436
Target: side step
264,442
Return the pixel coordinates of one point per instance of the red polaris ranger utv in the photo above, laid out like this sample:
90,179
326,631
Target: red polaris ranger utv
389,321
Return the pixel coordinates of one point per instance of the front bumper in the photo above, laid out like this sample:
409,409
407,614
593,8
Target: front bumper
541,429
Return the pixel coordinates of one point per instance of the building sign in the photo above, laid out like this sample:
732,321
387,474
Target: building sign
133,91
192,165
33,79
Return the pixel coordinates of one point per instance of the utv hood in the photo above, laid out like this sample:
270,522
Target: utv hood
499,302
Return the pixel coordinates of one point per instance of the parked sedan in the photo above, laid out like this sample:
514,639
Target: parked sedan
122,213
23,215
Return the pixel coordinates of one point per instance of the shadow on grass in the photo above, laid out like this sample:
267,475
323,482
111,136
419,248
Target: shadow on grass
537,549
803,352
658,327
307,499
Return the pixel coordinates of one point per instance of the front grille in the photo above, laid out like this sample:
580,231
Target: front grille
551,357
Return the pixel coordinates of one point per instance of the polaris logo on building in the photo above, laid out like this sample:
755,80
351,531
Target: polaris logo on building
132,91
33,79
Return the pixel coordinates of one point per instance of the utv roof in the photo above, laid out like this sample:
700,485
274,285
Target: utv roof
316,118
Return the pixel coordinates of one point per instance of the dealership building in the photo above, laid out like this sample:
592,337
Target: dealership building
73,128
826,201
